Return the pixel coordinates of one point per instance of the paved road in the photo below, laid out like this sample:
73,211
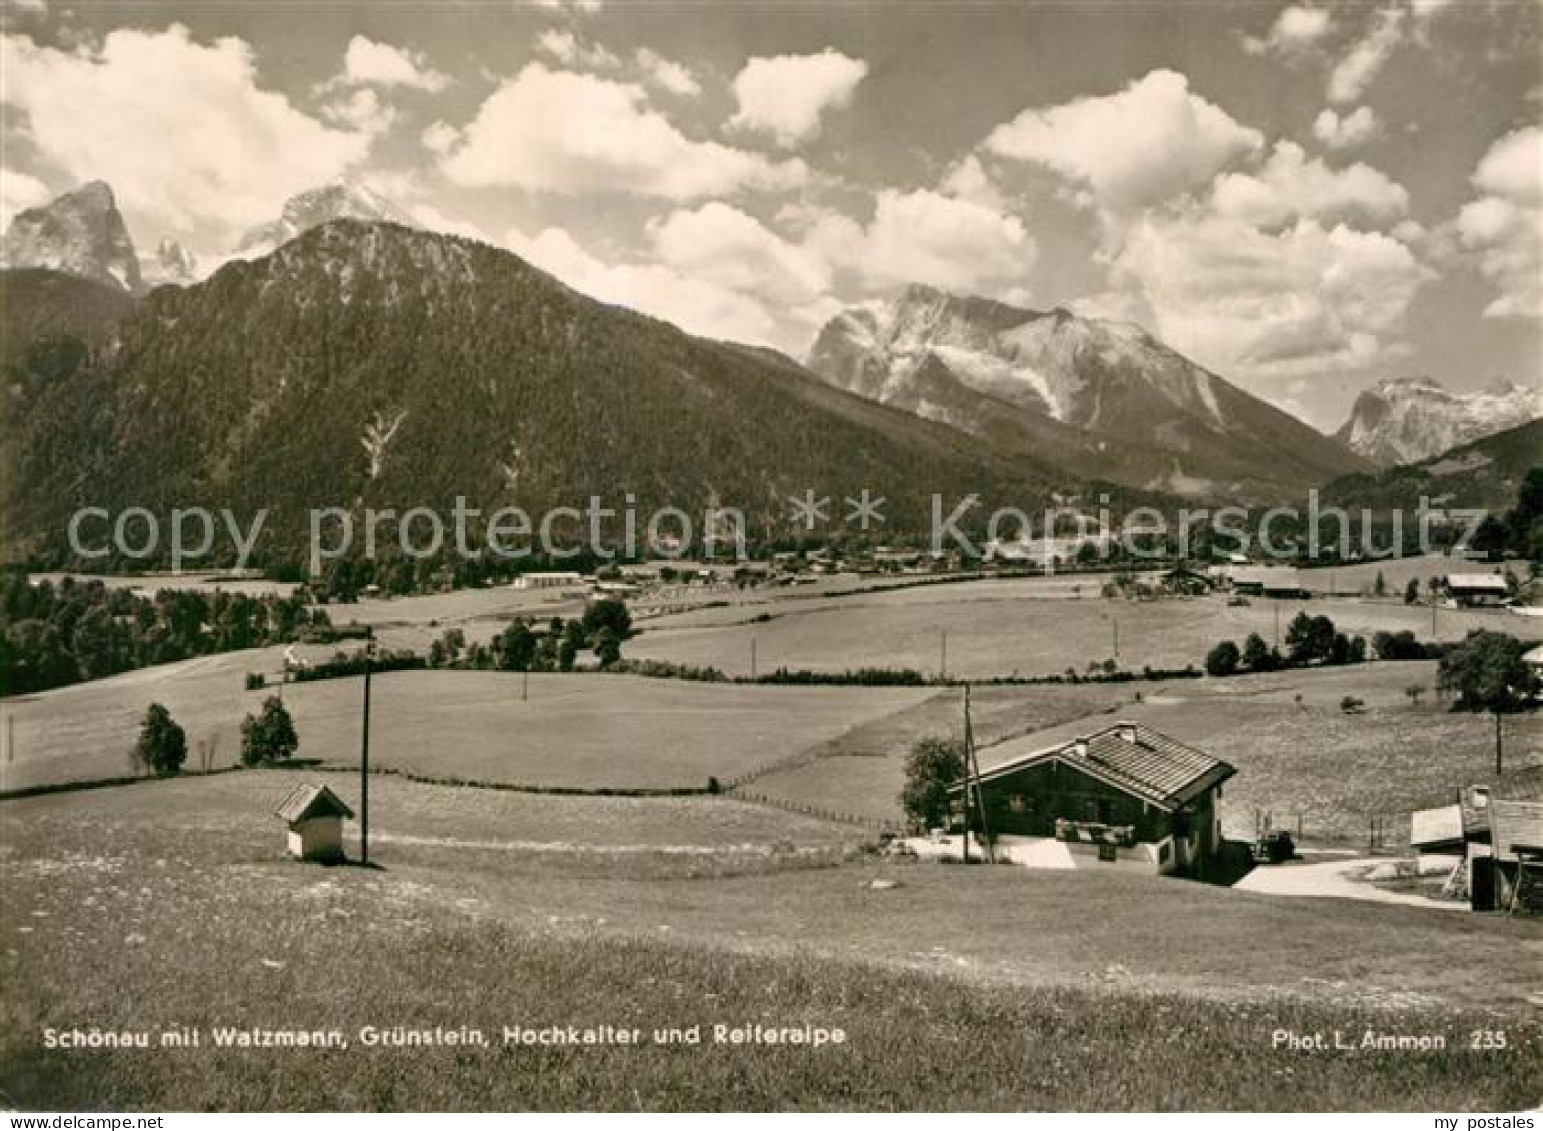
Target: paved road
1334,878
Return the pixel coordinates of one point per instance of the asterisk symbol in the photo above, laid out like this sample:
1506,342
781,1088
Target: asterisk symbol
866,510
809,510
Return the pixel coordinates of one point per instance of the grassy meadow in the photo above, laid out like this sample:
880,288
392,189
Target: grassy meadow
574,731
168,904
1021,627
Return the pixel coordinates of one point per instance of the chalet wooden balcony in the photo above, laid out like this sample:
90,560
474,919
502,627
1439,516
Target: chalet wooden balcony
1095,832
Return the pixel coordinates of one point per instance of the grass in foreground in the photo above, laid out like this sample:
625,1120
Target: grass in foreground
913,1041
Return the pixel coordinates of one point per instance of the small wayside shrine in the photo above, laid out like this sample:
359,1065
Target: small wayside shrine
315,818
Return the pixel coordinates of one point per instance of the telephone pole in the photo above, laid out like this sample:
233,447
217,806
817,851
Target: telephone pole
364,754
973,770
943,658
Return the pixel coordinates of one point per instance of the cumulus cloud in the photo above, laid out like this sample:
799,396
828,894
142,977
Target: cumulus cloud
1143,145
1240,299
440,137
568,7
361,110
1359,68
719,244
786,95
1513,167
1346,131
571,51
969,180
926,237
696,305
18,192
181,130
557,131
667,75
1290,186
1294,30
1503,229
367,63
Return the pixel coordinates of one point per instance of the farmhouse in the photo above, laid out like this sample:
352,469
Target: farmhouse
1187,582
552,579
1280,583
1126,796
314,815
1477,588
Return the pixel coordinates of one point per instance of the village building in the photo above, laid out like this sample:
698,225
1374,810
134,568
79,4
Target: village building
554,579
315,818
1490,842
1124,797
1477,588
1187,582
1280,583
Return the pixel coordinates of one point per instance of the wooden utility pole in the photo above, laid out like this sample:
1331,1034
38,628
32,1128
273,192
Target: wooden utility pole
965,799
364,755
525,683
752,658
973,772
1499,767
943,658
1114,623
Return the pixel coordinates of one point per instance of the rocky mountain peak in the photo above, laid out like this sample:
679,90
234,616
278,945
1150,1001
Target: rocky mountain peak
1071,386
80,233
341,199
1403,420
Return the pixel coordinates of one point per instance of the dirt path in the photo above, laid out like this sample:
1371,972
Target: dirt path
1334,878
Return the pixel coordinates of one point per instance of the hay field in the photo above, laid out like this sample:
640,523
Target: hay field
167,903
577,731
1009,627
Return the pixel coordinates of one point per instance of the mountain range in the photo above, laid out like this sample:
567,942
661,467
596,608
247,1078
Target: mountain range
1407,420
1483,473
377,365
1102,399
341,357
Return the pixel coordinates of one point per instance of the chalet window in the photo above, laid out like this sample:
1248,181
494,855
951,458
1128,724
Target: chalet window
1018,803
1106,812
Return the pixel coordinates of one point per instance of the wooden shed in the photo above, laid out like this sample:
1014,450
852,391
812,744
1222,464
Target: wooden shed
315,817
1516,834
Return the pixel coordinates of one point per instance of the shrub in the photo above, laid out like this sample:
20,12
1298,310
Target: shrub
1223,659
933,765
1401,645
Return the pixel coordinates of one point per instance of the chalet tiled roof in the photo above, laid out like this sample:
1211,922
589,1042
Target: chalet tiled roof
1484,582
306,801
1516,825
1136,759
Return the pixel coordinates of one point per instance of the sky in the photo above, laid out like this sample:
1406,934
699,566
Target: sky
1303,198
